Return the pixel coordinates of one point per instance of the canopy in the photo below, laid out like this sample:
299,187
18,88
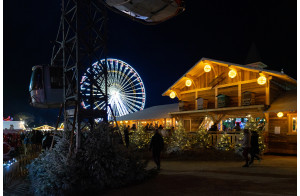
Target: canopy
155,112
44,128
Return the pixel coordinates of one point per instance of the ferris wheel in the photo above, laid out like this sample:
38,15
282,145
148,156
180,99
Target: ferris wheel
125,88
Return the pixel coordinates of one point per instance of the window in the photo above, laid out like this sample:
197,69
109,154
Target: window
292,120
294,124
56,77
36,81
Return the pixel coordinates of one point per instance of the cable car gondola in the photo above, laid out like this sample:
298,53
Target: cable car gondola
149,12
46,87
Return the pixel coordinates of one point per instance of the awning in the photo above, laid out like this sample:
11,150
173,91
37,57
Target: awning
287,102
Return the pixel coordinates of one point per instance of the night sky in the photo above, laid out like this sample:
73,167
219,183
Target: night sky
161,54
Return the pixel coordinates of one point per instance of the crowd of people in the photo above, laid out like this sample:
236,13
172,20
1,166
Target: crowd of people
26,142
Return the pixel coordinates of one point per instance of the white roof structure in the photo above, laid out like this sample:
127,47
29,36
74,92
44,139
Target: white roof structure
13,126
287,102
16,125
155,112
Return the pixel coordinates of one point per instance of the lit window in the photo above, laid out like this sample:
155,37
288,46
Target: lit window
294,124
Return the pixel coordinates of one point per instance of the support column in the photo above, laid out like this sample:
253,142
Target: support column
239,95
216,98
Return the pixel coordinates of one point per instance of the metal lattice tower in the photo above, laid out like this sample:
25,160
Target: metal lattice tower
81,41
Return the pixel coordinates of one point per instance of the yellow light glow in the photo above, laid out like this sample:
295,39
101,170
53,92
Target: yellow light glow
188,82
262,80
121,122
126,121
207,68
280,114
232,73
172,95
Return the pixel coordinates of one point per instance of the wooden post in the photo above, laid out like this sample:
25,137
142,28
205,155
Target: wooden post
216,98
266,132
239,95
268,92
196,96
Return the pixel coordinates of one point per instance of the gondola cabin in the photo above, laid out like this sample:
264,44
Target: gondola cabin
46,87
146,11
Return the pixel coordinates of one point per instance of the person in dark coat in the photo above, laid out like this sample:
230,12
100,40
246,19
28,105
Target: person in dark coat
254,151
156,145
126,136
214,127
246,146
47,140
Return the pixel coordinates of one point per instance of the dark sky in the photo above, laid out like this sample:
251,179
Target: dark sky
217,29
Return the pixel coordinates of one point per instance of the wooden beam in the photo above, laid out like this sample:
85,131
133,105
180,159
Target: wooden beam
220,86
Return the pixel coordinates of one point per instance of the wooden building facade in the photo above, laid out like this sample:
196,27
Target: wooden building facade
222,90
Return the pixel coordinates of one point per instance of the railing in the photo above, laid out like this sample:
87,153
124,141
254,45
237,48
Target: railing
12,171
216,137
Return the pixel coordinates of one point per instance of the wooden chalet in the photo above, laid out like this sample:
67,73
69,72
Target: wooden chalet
226,92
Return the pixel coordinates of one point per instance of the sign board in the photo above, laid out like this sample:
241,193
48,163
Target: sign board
277,130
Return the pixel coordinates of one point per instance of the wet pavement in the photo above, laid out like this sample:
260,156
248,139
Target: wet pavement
273,176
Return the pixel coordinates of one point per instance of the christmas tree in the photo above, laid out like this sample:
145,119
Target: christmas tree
225,143
178,141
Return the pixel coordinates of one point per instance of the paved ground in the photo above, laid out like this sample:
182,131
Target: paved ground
273,176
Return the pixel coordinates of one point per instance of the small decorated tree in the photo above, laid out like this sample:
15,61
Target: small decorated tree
225,143
201,139
139,138
178,141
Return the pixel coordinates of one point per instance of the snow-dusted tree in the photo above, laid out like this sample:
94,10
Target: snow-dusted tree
98,165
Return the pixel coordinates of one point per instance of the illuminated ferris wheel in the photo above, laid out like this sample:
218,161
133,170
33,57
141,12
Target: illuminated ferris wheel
125,88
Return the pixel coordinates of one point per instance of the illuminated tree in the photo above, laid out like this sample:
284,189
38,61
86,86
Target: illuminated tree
178,141
201,139
225,143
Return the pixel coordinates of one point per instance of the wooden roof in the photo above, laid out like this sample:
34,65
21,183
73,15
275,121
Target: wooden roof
287,102
198,69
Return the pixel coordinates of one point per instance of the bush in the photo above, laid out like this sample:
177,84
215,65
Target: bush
98,165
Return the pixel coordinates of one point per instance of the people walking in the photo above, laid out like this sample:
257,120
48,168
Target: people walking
126,136
156,145
254,151
246,146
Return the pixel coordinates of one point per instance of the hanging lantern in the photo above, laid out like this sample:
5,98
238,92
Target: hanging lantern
207,68
280,114
172,95
232,73
188,82
262,79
